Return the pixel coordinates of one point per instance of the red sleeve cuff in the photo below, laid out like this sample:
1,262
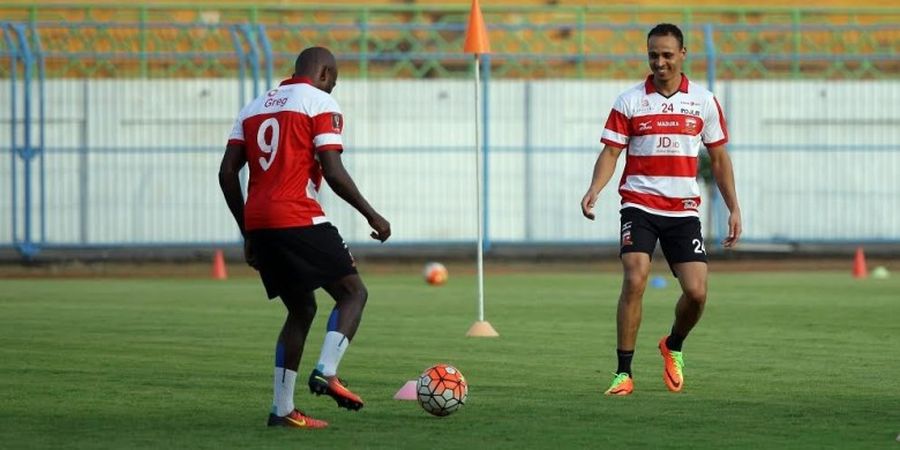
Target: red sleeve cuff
613,143
330,148
235,142
716,144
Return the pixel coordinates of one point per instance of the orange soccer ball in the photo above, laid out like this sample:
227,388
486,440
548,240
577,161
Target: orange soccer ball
435,274
441,390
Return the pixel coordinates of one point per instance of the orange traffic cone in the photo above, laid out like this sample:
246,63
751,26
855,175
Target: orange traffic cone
859,264
218,268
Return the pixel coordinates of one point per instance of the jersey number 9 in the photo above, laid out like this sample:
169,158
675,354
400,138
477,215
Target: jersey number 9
271,148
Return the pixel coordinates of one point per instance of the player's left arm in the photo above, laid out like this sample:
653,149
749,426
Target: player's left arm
724,173
327,128
342,184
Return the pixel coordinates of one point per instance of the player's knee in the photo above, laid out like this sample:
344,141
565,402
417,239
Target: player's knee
635,282
362,295
300,304
308,309
302,313
696,293
356,293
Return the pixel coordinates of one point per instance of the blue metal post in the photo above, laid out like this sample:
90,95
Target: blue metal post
252,57
13,68
485,126
27,248
83,184
13,149
529,225
364,44
42,121
710,56
716,210
239,49
267,52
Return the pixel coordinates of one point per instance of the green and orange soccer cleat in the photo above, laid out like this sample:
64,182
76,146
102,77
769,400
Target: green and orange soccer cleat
673,373
622,384
296,419
333,387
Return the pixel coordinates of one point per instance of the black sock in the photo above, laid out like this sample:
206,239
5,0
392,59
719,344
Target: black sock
624,361
674,341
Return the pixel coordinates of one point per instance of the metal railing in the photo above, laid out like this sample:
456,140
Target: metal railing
411,41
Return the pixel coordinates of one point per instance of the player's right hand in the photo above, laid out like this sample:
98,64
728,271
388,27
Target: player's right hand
381,226
587,204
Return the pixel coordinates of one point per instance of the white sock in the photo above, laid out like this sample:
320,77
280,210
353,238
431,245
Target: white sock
332,351
283,403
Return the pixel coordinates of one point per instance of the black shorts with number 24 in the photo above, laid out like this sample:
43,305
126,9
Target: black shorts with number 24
680,237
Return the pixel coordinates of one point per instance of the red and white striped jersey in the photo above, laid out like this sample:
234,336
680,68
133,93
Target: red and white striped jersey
663,137
282,131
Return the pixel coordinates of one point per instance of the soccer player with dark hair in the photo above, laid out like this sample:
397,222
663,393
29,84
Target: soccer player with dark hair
291,138
662,122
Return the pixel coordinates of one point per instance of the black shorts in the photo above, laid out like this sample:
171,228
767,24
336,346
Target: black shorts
680,237
300,258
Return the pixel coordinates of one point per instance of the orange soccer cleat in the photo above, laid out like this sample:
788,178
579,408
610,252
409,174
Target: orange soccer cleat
622,384
673,373
335,388
296,419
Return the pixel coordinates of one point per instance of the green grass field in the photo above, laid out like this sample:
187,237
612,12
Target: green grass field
780,360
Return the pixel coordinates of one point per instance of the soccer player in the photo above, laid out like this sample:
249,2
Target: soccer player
291,138
662,122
